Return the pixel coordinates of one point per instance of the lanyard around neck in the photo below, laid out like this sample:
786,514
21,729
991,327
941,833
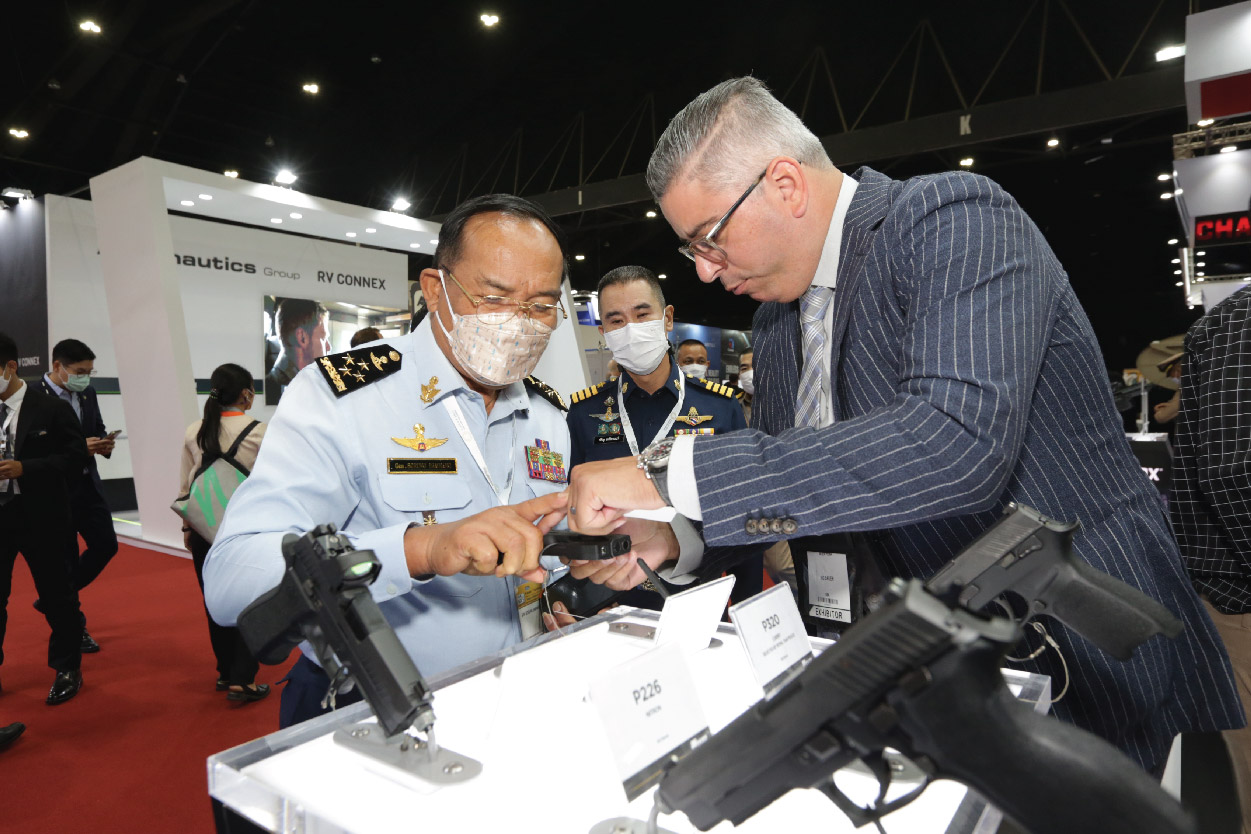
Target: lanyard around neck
665,427
466,436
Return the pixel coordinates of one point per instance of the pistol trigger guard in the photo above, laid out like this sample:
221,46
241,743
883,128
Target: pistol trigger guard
860,815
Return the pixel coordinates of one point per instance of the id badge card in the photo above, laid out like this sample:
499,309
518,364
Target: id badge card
829,587
529,608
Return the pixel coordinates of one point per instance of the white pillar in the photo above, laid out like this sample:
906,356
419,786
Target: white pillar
149,335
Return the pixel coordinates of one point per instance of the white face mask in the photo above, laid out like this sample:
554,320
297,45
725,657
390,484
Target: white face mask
746,382
695,371
639,346
493,349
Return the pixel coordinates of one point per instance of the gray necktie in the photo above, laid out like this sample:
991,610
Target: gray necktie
6,452
812,307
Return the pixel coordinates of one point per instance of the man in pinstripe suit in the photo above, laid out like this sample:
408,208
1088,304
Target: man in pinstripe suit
951,371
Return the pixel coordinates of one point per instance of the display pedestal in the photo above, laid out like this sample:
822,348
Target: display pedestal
546,762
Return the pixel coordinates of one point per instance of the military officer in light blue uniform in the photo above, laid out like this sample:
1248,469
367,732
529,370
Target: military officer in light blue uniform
435,450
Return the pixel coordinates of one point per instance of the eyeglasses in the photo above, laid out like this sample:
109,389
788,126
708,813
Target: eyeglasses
704,247
506,308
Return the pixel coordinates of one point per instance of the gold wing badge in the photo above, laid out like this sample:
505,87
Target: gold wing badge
420,442
694,418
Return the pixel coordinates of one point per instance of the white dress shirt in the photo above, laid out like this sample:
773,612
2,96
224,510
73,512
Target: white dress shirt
683,490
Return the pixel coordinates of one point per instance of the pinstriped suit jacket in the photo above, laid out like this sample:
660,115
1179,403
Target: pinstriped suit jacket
965,376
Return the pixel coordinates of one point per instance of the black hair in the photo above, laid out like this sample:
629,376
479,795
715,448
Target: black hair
452,232
8,349
293,313
692,342
69,351
628,275
365,334
228,383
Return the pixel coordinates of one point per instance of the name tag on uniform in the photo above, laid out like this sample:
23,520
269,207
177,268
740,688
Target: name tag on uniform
421,466
612,438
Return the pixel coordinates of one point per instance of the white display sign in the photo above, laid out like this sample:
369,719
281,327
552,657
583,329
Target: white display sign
773,635
690,618
829,587
650,714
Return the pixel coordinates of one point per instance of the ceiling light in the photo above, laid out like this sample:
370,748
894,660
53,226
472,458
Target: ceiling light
651,214
285,177
1172,241
414,246
662,276
1053,143
1229,149
1200,254
187,203
1166,195
89,26
1176,260
489,20
1178,193
295,215
1201,263
206,196
1200,273
1168,53
15,193
401,204
1163,177
275,220
1178,284
234,175
311,89
967,162
18,133
351,234
435,241
579,257
1177,272
1204,122
370,231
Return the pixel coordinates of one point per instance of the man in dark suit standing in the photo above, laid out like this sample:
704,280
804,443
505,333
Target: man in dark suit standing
73,366
42,454
921,362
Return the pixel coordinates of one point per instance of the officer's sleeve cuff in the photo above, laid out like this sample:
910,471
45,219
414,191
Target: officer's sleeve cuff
387,544
683,493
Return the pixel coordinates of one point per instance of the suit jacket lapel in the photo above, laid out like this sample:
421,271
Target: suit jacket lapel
28,415
864,216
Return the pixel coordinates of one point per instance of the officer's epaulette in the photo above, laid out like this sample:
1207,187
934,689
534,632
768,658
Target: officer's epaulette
353,369
586,392
724,390
546,391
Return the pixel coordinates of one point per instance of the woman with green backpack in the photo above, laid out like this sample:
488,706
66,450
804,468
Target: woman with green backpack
218,452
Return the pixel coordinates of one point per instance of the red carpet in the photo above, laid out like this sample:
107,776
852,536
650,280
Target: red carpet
128,752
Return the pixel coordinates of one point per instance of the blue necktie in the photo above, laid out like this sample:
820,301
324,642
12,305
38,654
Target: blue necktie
812,307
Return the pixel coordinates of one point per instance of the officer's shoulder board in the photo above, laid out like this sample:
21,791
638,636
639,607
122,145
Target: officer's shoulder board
354,369
547,392
585,393
721,388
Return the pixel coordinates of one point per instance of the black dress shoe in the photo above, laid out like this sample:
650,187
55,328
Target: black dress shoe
65,686
89,646
252,692
9,734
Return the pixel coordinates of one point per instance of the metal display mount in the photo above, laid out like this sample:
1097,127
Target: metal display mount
424,759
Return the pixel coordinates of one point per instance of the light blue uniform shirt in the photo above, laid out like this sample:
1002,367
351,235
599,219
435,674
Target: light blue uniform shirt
324,459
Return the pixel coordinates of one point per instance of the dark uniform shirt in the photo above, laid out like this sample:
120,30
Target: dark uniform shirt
597,431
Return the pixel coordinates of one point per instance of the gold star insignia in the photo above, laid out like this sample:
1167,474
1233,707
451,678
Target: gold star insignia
419,442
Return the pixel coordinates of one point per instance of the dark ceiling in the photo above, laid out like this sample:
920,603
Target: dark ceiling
421,100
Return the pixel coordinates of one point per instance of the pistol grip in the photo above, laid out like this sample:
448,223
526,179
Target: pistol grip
1114,616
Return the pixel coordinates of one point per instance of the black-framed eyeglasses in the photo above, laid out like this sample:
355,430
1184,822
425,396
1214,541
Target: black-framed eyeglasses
507,308
704,247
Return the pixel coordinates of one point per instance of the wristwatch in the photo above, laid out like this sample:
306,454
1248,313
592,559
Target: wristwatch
654,461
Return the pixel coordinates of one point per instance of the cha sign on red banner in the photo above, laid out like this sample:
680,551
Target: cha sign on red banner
1217,229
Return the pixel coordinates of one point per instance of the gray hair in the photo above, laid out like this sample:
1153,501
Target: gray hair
724,137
